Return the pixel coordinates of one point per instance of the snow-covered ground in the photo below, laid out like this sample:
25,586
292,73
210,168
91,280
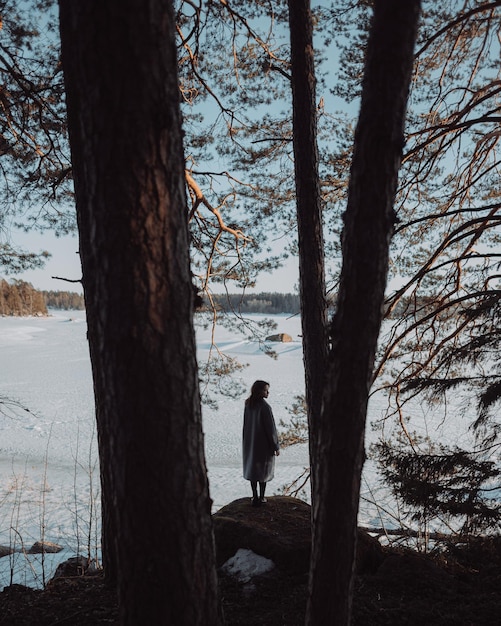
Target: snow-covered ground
49,479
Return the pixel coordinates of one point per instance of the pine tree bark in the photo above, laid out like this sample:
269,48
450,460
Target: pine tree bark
309,213
119,60
367,232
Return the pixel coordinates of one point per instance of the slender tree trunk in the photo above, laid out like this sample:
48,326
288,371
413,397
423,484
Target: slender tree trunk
367,231
309,212
119,59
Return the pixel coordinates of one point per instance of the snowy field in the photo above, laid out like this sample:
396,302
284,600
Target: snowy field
49,479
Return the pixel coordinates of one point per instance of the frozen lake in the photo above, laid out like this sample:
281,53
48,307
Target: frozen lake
48,457
49,478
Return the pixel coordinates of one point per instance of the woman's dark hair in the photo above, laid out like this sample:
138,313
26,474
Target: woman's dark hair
256,392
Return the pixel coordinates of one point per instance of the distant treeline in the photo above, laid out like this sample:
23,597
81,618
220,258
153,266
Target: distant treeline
274,303
19,298
268,303
66,300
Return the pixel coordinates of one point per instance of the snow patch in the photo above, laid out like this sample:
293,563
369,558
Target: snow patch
245,565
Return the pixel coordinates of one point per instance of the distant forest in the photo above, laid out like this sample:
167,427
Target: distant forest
269,303
64,300
19,298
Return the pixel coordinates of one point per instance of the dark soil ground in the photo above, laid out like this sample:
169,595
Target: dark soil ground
460,586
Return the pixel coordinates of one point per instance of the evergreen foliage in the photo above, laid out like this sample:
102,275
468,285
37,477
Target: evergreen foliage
15,260
447,239
451,485
36,181
295,431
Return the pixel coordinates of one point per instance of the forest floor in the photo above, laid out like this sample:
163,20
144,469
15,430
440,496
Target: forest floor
458,586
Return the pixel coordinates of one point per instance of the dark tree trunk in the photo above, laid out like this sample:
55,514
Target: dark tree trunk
367,231
309,212
119,59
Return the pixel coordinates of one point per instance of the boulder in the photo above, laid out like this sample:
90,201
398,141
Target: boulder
279,338
402,570
76,566
280,530
47,547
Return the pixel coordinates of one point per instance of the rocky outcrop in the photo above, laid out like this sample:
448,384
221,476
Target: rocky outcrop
280,530
76,566
279,338
39,547
47,547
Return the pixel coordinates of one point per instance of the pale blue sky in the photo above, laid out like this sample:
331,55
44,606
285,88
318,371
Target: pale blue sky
65,263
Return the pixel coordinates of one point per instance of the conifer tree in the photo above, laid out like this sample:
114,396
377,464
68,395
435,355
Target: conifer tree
354,330
128,165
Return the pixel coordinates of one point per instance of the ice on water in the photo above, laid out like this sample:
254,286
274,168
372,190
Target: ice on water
48,457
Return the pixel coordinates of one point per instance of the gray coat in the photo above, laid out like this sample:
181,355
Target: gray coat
260,441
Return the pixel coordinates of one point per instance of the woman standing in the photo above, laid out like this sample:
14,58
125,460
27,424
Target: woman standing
260,441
